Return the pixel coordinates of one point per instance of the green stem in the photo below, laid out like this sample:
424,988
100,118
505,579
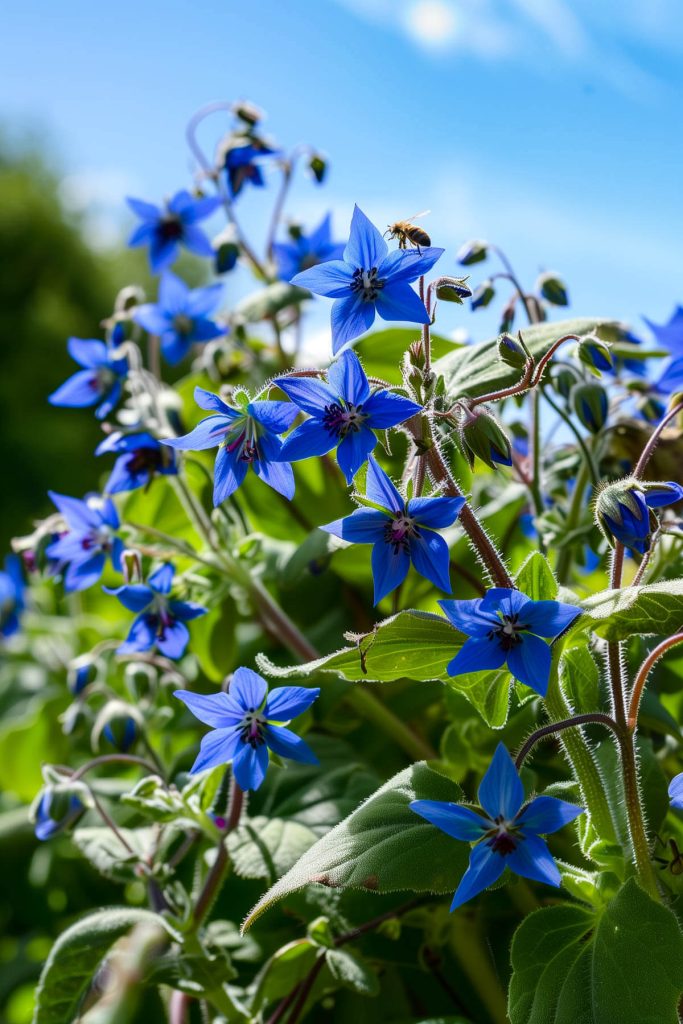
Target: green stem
564,561
379,714
535,481
636,818
580,756
475,959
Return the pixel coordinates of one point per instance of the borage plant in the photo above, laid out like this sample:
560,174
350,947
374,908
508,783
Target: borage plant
488,731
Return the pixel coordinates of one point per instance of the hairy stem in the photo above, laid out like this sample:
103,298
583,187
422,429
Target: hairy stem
568,723
564,560
643,674
468,946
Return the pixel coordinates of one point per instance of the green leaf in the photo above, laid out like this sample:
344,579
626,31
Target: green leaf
382,352
213,640
349,970
75,958
411,645
477,369
656,609
382,846
536,579
109,856
624,963
580,678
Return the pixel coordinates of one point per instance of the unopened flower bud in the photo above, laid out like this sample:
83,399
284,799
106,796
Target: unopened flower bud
416,354
508,316
482,437
248,112
563,381
56,809
318,165
140,679
452,289
81,672
472,252
119,724
651,409
623,510
131,566
553,289
512,353
595,354
482,295
590,404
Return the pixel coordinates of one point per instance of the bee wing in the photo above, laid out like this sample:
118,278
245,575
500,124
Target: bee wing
416,216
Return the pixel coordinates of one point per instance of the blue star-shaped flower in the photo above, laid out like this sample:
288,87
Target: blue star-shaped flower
306,251
507,834
344,414
160,621
670,334
631,523
140,459
166,228
243,164
100,381
402,534
12,588
671,379
247,722
368,280
245,437
180,317
89,540
506,626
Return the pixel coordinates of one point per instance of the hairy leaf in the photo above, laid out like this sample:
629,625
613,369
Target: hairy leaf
655,609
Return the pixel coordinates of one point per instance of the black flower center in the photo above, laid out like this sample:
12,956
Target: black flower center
366,282
502,839
399,532
170,228
342,418
183,324
507,633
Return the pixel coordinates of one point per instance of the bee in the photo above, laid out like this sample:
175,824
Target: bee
406,232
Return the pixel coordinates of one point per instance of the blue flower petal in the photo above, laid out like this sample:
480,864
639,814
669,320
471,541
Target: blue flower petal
379,488
274,416
676,791
250,766
185,611
364,526
435,513
547,814
141,636
529,661
173,639
669,495
278,475
287,702
400,302
152,317
88,352
308,393
308,439
501,790
532,859
81,575
509,602
286,743
385,409
229,473
548,618
134,596
209,433
479,654
216,748
213,403
332,279
365,248
79,391
453,819
353,451
147,211
202,301
347,379
484,869
248,688
431,558
216,709
389,568
78,514
174,346
351,317
407,265
161,579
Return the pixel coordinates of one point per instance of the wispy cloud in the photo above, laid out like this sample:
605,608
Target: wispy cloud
597,36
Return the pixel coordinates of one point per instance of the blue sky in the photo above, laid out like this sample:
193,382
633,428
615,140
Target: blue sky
547,126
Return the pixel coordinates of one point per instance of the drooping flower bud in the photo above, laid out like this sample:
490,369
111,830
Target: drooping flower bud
452,289
595,354
248,112
623,510
318,165
563,381
119,724
650,408
472,252
81,672
482,295
590,404
482,437
512,352
57,807
553,289
508,315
